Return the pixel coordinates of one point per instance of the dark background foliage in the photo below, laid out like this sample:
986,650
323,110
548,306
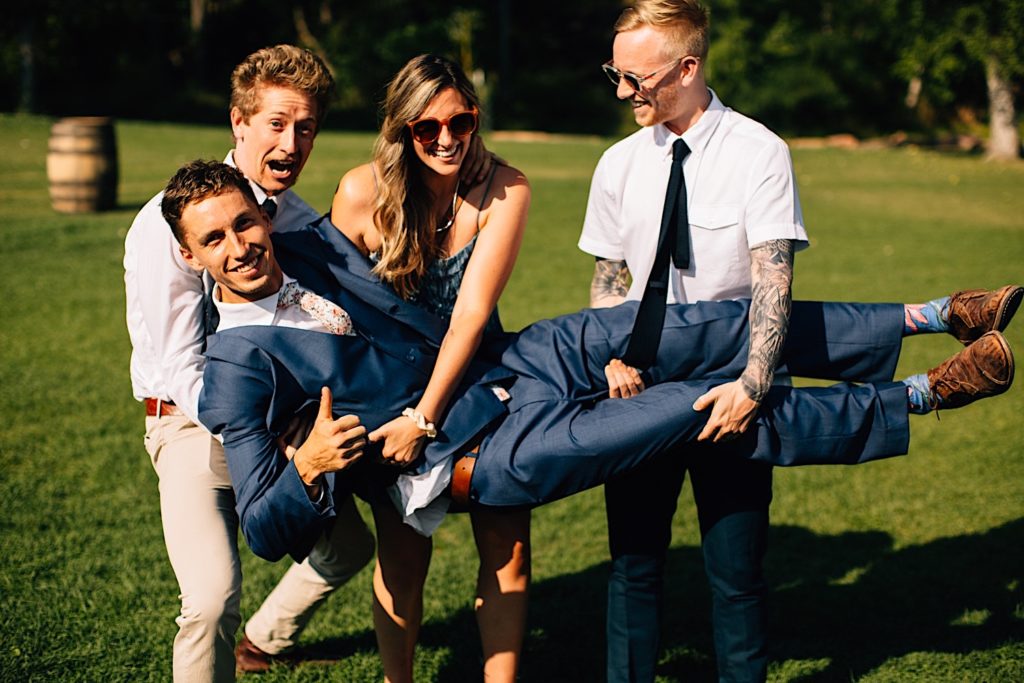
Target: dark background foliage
801,66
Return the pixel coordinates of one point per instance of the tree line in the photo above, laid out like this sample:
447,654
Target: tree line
803,67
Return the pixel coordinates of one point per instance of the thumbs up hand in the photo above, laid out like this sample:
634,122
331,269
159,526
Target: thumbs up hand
332,444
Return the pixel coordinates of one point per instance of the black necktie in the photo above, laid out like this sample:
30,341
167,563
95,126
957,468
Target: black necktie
674,243
270,206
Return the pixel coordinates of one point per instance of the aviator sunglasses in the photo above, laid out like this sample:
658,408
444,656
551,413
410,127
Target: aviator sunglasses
427,130
634,81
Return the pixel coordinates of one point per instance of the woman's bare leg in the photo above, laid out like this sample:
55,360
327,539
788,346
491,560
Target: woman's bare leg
403,557
503,541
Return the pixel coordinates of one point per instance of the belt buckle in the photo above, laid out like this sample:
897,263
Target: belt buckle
157,406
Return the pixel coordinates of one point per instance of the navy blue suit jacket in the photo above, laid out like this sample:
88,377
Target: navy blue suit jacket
262,376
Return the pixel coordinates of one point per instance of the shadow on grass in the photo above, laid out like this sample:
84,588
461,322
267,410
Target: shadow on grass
848,601
332,650
853,600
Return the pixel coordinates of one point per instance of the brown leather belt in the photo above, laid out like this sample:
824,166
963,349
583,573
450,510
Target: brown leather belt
158,408
462,473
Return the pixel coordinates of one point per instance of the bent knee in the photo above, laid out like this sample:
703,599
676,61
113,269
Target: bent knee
211,611
341,564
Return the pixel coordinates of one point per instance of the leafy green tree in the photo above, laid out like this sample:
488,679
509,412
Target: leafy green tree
952,42
801,66
807,67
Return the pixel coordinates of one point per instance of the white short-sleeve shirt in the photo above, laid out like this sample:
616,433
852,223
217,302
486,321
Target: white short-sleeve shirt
741,191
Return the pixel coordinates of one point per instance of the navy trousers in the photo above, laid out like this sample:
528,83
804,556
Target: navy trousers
732,497
559,437
732,494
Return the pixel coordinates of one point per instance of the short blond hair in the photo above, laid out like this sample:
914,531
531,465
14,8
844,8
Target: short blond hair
283,66
685,23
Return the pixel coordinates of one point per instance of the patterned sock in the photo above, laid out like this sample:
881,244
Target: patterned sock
919,394
924,318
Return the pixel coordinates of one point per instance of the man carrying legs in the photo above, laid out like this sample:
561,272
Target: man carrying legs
730,222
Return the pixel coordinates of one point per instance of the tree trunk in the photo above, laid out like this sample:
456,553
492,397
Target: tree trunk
308,40
197,45
27,96
1003,140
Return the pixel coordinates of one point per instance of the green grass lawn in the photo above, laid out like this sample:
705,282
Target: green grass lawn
908,569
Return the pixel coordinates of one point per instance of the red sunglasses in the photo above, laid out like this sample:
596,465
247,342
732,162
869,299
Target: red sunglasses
427,130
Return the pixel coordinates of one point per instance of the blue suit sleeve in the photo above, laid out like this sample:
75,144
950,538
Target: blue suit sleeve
276,514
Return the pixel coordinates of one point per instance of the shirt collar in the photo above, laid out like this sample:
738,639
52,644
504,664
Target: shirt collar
696,136
259,312
261,195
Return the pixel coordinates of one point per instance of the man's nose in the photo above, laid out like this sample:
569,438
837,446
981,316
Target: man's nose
286,140
237,247
623,91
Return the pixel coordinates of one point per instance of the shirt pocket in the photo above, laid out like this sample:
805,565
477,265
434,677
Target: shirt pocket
713,216
719,262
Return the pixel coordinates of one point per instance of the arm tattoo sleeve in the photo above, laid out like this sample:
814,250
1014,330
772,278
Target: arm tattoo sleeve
610,283
771,271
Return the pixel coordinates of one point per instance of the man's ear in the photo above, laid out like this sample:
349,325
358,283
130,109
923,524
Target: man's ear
190,259
237,119
689,69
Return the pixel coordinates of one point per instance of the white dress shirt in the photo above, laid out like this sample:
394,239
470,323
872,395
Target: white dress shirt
164,303
740,192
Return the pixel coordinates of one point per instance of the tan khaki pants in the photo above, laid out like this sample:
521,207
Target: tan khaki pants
197,507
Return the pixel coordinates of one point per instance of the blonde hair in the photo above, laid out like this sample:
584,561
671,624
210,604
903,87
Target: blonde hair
283,66
403,209
685,23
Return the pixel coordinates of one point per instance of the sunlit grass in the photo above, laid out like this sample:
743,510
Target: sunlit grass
909,569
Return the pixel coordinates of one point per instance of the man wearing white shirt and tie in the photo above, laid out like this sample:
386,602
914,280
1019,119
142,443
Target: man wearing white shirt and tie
731,222
278,101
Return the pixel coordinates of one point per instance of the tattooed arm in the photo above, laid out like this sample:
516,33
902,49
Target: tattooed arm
610,283
735,404
608,288
771,274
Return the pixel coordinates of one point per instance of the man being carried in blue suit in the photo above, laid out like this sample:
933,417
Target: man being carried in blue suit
303,322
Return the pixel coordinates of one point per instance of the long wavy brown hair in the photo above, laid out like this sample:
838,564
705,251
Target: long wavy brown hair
403,211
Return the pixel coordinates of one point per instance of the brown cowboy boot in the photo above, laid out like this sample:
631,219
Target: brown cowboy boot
973,312
983,369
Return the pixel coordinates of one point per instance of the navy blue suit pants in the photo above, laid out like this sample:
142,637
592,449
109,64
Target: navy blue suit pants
733,493
732,496
559,437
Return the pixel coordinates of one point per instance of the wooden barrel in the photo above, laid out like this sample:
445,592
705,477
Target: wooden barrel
82,164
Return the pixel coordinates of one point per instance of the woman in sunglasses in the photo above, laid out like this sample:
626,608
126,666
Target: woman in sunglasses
450,248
